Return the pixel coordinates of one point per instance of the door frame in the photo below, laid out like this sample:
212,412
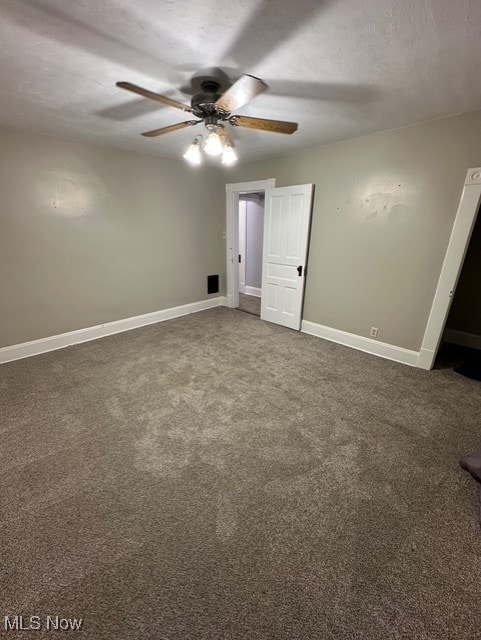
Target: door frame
453,262
242,245
233,191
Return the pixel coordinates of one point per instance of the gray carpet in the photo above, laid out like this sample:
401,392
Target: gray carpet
217,477
250,304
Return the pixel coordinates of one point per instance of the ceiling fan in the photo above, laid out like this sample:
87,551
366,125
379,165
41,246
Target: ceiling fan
214,108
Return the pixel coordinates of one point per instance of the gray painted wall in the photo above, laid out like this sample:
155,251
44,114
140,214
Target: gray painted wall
254,239
90,234
384,207
465,313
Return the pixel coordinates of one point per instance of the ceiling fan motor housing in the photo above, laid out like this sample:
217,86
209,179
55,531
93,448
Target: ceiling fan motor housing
203,104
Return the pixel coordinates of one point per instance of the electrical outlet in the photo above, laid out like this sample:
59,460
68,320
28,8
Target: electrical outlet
373,333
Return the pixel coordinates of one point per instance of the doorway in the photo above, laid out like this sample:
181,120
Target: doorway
251,236
461,341
453,262
234,192
287,215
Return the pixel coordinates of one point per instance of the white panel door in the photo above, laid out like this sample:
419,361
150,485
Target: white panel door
286,234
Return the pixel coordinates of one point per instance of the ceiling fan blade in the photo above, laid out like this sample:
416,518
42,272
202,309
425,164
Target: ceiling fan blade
276,126
172,127
153,96
240,93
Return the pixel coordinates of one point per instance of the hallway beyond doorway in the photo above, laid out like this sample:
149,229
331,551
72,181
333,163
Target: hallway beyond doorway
250,304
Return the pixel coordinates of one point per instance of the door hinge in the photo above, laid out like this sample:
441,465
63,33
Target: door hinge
240,260
299,270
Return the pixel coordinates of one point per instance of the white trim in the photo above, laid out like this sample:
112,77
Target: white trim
426,359
242,211
233,190
381,349
253,291
254,186
51,343
462,338
452,265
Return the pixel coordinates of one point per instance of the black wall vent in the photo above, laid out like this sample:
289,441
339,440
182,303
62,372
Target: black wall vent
213,284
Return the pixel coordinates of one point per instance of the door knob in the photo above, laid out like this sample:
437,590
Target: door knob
299,270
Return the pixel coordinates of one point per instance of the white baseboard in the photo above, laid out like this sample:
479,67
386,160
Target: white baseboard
381,349
426,359
462,338
253,291
51,343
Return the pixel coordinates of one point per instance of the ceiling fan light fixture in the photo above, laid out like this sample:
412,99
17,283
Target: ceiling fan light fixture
193,154
213,144
229,156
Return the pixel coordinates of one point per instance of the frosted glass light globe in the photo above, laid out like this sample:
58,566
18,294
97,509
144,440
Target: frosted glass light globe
213,145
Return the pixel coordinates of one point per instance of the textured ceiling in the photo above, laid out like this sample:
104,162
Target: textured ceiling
341,68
